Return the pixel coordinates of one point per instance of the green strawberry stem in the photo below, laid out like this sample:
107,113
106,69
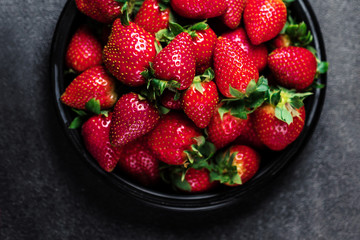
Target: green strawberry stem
76,123
125,19
288,2
199,154
223,169
297,33
174,29
127,9
286,102
207,76
245,103
93,107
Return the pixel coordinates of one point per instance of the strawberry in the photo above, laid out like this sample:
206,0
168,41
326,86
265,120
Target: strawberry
104,11
198,9
224,128
293,67
151,17
249,136
139,162
203,41
133,117
233,67
232,16
194,181
203,46
95,133
84,50
199,101
128,52
275,133
176,61
169,100
281,119
293,34
92,83
172,137
257,53
264,19
282,40
237,166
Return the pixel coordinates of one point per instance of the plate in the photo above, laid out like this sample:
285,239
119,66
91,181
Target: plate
270,167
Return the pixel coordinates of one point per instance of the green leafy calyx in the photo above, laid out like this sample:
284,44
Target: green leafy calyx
224,170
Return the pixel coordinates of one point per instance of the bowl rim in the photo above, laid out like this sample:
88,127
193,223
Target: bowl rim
182,202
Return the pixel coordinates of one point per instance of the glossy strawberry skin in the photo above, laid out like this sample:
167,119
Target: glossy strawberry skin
151,18
249,136
282,40
173,135
84,50
274,133
199,9
176,61
232,16
264,19
257,53
223,131
104,11
168,101
203,47
232,67
199,180
139,162
128,53
132,118
247,162
95,133
293,67
199,107
92,83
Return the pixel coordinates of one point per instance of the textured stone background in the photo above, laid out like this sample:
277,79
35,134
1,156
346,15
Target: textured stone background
47,192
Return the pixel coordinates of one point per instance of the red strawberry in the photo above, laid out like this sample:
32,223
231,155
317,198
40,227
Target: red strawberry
293,67
84,50
199,102
233,67
133,117
249,136
92,83
198,9
274,133
232,16
151,17
257,53
203,46
95,133
282,40
223,130
128,52
168,100
264,19
237,166
194,181
104,11
138,161
173,135
176,61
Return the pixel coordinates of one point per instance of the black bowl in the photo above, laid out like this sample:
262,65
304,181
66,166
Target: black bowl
272,163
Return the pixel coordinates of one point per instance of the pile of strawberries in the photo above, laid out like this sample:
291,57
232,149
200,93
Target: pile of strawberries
164,102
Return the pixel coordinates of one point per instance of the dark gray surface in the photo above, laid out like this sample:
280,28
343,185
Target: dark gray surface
47,191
